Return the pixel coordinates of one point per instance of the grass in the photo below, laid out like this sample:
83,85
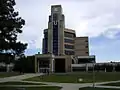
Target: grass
8,74
20,83
73,78
90,88
32,88
113,84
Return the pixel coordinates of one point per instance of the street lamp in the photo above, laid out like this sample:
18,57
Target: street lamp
93,76
53,62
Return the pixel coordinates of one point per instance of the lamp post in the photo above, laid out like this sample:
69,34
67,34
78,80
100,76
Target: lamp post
52,63
93,76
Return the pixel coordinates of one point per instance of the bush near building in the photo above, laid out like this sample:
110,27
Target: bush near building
25,64
2,68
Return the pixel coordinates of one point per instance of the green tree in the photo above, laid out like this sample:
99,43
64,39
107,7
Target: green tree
10,26
25,64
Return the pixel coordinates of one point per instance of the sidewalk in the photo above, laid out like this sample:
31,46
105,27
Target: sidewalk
66,86
19,77
114,87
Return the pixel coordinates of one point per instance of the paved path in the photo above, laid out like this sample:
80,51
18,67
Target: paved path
114,87
23,85
73,86
19,77
66,86
107,82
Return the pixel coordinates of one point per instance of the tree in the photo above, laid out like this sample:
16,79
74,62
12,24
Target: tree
25,64
10,26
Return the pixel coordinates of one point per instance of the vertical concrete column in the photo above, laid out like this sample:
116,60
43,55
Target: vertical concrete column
35,64
113,67
86,68
52,65
50,37
38,70
71,68
68,62
61,34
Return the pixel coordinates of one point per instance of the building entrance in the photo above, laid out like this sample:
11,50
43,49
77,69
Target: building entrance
44,70
44,66
59,65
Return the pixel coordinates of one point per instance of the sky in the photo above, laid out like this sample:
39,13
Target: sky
98,19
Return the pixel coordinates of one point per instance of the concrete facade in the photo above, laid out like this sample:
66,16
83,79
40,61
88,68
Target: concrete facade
51,59
69,41
60,47
81,46
56,24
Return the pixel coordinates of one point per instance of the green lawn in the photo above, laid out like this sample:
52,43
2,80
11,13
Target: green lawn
20,83
73,78
31,88
113,84
8,74
90,88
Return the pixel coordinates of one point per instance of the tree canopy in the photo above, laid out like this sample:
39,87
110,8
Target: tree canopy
10,26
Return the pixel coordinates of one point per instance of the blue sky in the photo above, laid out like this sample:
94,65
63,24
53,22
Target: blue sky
98,19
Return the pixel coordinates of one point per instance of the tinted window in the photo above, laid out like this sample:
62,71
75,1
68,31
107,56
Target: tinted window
68,41
50,19
67,34
69,52
45,41
69,46
86,46
55,17
55,34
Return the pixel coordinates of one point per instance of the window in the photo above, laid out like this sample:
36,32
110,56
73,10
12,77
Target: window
50,19
55,17
69,46
86,46
70,35
68,41
45,35
69,52
55,34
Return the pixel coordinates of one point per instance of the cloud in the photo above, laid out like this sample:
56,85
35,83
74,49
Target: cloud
93,18
112,33
98,17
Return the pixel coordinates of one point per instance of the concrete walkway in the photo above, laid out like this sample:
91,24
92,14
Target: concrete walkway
23,85
19,77
107,82
114,87
66,86
76,86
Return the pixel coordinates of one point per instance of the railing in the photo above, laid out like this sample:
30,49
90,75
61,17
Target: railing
74,59
44,70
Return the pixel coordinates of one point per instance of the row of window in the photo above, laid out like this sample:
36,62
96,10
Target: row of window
70,35
45,34
55,35
55,16
68,41
69,46
50,19
69,52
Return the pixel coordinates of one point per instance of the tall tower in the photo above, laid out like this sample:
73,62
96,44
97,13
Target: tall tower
53,41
